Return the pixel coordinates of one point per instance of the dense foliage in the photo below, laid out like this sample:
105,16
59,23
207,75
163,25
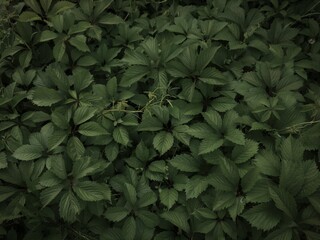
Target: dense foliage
147,119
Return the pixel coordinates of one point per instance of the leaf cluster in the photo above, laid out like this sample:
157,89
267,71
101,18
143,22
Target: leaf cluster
135,119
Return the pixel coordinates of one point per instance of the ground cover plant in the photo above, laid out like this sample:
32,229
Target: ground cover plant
147,119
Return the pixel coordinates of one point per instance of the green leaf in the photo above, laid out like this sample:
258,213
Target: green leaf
185,163
213,118
48,179
149,219
61,6
56,165
28,152
6,192
49,194
311,178
195,186
168,197
236,136
45,97
237,208
163,141
110,19
133,74
59,50
116,214
263,216
85,166
28,16
205,57
199,130
147,199
86,61
292,149
130,193
75,148
83,114
92,191
56,139
121,135
92,129
268,163
69,207
112,151
47,35
82,78
150,124
129,229
79,42
210,144
284,201
241,154
3,160
177,217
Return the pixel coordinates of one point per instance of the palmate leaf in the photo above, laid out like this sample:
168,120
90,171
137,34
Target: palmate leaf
69,207
163,141
263,216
